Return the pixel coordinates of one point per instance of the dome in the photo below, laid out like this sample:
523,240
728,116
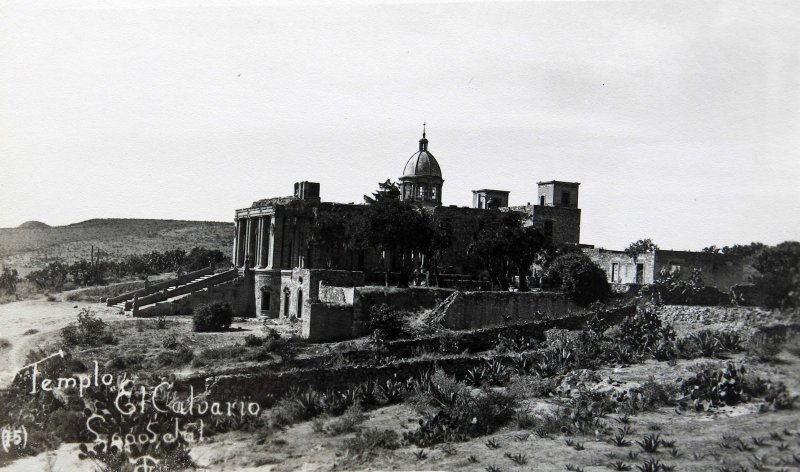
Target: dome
422,162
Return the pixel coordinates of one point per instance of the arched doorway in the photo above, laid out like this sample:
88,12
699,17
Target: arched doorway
285,302
265,301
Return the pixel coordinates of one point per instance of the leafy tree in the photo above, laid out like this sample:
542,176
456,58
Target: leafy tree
505,247
200,257
329,231
579,277
778,278
524,248
738,250
393,227
52,276
8,280
387,191
441,238
637,248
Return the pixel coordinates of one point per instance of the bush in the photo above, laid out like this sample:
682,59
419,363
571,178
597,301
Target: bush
385,322
347,423
370,439
641,331
214,316
252,340
88,331
766,343
461,414
673,290
579,277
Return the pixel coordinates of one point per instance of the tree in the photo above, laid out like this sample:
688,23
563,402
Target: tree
778,278
52,276
8,280
393,227
441,238
578,276
505,247
329,231
524,248
637,248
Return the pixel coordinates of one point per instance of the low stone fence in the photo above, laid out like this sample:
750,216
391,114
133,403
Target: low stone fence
158,286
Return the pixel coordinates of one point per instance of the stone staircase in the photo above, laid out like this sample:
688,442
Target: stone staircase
171,290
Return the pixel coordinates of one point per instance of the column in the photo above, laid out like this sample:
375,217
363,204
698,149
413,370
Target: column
276,241
248,239
259,228
241,240
235,255
265,232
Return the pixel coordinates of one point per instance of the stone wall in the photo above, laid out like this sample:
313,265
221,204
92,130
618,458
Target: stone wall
328,322
626,269
718,270
338,295
410,299
235,292
470,310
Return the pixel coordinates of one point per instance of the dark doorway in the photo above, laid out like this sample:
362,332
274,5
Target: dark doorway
265,300
541,200
286,304
299,302
640,274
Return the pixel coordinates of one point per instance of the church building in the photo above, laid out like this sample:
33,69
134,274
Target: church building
274,255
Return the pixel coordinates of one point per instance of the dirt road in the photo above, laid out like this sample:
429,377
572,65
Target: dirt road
41,315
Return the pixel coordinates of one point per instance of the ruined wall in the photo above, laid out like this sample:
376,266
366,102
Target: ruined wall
267,289
470,310
326,322
626,273
718,270
410,299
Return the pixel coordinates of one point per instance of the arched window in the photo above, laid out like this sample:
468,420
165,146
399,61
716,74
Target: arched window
286,303
299,302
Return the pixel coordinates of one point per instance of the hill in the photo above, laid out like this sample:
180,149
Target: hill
31,247
34,224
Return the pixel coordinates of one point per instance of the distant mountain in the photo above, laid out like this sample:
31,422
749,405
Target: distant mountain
33,224
33,244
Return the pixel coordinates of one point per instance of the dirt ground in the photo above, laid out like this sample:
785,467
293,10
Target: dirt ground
46,318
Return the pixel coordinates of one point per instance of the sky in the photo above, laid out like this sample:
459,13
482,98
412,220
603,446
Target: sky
681,120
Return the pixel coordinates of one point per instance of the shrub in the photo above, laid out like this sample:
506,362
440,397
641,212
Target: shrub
385,321
214,316
765,344
88,331
370,439
579,277
253,341
347,423
180,356
461,414
642,330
